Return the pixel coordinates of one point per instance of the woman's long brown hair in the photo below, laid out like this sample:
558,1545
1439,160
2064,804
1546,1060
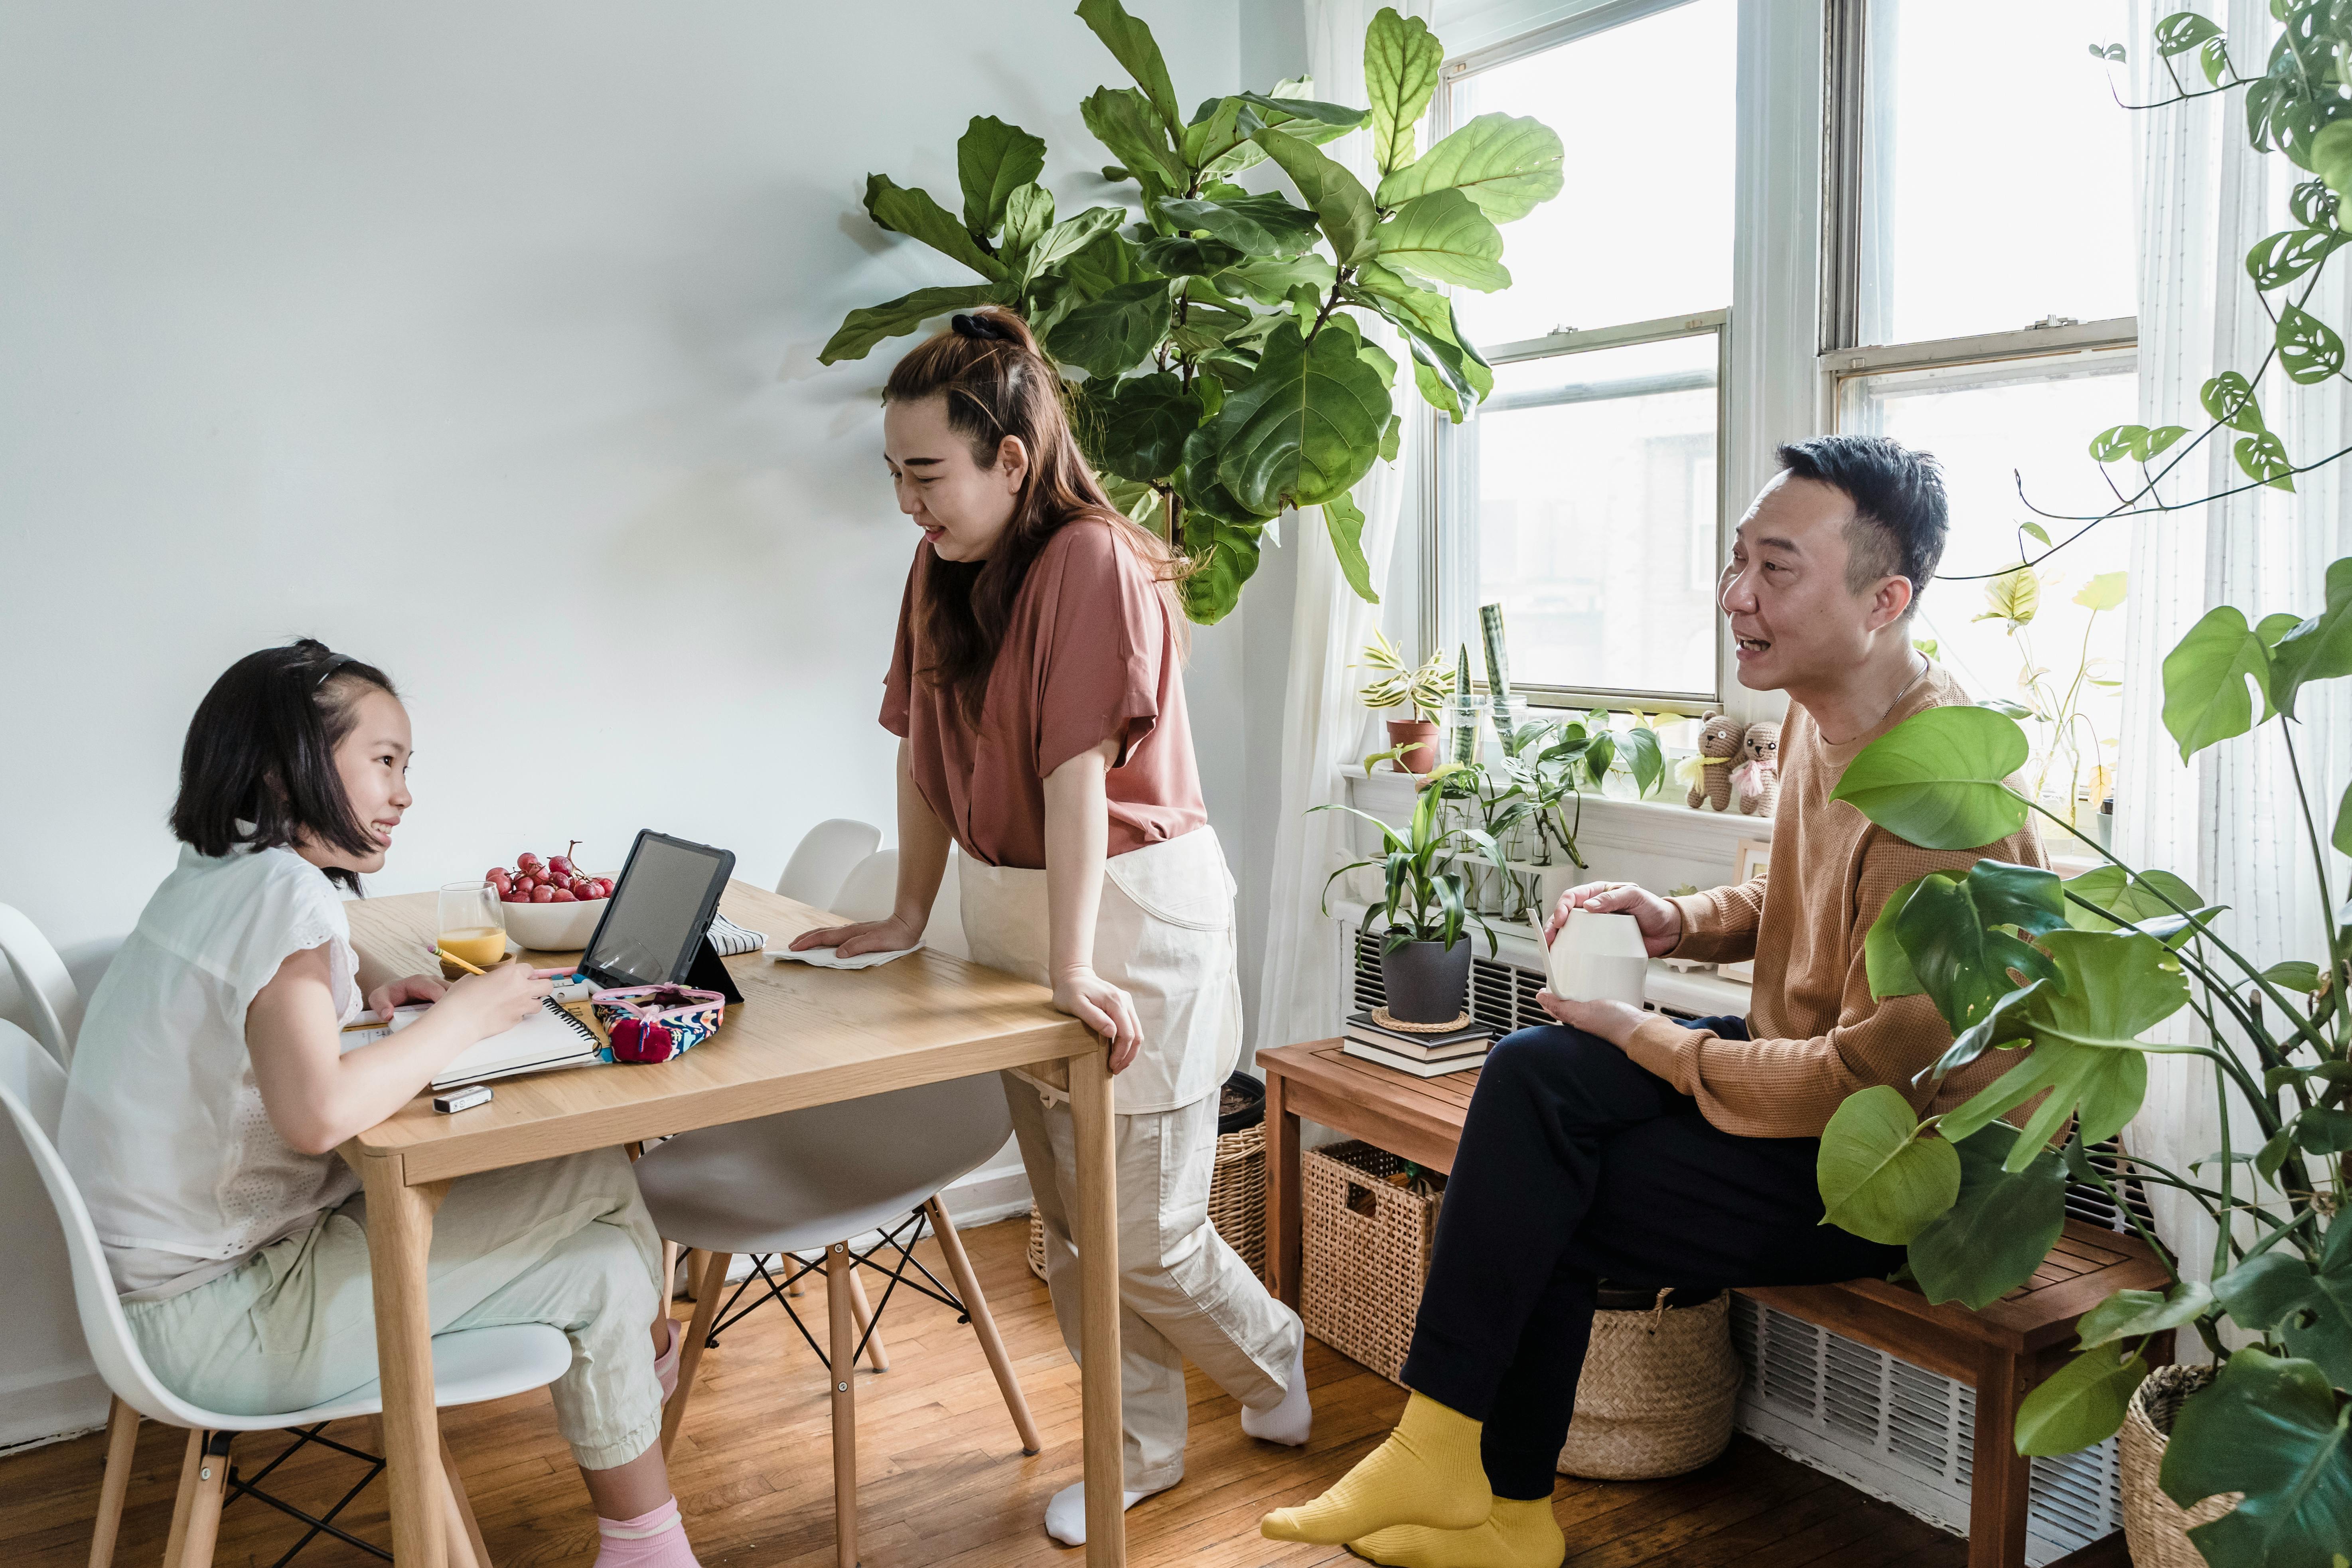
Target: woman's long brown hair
996,385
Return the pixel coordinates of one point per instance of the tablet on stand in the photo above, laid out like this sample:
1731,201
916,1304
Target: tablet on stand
656,929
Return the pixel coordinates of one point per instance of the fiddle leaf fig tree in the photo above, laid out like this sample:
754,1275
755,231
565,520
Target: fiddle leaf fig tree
2062,982
1226,374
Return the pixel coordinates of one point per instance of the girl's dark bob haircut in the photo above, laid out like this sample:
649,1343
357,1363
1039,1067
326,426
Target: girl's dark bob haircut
259,768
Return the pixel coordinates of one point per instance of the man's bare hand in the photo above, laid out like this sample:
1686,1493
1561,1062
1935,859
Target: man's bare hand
1661,922
1607,1018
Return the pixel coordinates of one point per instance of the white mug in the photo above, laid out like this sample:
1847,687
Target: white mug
1598,956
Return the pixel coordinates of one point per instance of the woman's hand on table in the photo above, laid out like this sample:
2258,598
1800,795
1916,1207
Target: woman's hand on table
862,936
1103,1008
491,1004
406,989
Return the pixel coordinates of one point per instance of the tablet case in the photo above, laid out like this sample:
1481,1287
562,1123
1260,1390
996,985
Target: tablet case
702,968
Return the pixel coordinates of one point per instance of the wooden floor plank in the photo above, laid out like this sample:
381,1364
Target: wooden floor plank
944,1482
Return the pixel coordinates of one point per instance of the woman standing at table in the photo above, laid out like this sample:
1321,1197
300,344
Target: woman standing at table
1038,693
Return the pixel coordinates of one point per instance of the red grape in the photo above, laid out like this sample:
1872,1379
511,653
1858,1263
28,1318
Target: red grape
543,895
527,861
559,865
495,874
579,887
508,895
561,896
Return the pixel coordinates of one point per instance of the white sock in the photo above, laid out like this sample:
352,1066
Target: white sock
1066,1515
1288,1422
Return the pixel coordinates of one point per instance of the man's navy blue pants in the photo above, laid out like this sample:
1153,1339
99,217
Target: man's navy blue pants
1577,1166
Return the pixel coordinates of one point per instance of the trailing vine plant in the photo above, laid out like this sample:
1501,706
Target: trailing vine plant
1226,373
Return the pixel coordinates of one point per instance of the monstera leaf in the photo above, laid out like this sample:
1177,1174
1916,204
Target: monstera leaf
2205,677
2310,1309
1947,940
2318,649
1999,1229
1305,426
1935,779
1881,1177
2269,1427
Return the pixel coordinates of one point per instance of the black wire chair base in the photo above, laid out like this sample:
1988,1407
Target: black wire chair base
243,1487
919,1222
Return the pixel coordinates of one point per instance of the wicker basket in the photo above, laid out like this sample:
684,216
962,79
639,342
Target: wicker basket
1236,1201
2155,1527
1657,1392
1366,1253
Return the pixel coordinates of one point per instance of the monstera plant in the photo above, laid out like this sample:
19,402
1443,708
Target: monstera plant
1227,375
2081,971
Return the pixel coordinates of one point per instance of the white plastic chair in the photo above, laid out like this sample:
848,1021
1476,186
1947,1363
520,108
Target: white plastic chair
799,1182
468,1367
50,998
824,858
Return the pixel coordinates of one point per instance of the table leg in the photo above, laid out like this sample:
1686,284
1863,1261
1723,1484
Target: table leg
400,1235
1099,1358
1283,1198
2001,1477
842,1348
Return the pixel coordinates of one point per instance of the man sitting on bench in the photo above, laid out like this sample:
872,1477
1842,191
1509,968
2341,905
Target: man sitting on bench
1624,1145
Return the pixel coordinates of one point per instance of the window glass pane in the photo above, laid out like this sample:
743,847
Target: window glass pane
1995,429
1585,503
1642,227
1996,186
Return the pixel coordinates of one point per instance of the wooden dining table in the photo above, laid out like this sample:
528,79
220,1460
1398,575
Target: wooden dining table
801,1037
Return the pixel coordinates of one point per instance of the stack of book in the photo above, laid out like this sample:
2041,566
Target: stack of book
1422,1055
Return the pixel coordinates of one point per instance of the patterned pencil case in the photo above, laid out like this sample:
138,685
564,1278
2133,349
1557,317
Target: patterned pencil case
655,1023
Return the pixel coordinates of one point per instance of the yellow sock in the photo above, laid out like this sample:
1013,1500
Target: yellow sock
1426,1473
1516,1535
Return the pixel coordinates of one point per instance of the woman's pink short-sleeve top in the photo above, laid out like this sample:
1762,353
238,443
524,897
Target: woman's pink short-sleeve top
1090,655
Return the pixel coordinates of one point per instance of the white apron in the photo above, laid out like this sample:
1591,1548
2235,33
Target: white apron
1164,935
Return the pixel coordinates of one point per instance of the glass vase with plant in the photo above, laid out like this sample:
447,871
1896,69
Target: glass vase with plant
1420,690
2072,774
2070,979
1425,906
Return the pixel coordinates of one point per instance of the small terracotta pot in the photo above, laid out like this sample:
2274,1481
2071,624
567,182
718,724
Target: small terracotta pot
1421,735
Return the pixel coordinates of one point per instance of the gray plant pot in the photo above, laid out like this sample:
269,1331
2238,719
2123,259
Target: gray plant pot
1426,982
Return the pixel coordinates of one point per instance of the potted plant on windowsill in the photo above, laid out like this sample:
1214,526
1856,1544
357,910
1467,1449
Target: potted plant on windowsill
1413,742
1425,955
2069,979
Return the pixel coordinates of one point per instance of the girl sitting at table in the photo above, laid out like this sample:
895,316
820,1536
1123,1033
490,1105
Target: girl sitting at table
209,1090
1038,692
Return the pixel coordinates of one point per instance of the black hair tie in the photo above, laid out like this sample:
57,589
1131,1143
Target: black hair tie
983,326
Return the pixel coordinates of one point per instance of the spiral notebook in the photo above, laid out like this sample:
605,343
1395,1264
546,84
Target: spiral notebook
546,1040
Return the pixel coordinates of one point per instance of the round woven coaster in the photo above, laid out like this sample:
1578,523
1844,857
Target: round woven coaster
1381,1015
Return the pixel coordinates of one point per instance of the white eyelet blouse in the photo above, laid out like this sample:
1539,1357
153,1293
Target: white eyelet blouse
163,1127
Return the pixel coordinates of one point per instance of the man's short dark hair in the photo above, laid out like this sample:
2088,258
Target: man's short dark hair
1899,517
258,767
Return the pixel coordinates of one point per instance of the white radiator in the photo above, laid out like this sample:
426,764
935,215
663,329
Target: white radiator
1894,1430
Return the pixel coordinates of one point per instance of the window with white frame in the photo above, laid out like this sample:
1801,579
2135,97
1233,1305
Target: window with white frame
1976,256
1584,496
1977,270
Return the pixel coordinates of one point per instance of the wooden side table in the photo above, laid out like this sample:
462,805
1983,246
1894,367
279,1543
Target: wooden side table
2002,1353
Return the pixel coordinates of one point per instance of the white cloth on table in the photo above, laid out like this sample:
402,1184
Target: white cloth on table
830,958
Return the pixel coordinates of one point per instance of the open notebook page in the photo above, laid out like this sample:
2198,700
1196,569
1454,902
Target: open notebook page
547,1040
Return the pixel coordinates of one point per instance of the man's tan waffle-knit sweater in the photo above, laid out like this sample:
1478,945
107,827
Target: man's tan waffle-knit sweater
1818,1036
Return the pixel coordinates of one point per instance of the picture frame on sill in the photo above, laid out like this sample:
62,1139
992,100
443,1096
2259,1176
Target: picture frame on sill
1755,861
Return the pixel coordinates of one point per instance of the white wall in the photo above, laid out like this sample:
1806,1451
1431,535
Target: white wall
479,340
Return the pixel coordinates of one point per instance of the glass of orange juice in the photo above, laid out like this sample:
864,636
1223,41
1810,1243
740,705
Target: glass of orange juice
473,927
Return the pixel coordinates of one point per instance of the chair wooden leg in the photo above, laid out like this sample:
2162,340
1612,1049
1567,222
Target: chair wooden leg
795,1284
707,1291
693,1257
183,1498
844,1373
465,1532
863,1312
983,1326
121,1443
2001,1477
204,1505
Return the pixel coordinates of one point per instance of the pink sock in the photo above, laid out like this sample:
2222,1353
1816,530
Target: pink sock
655,1539
665,1364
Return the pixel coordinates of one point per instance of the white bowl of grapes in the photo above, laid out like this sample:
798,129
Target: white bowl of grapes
551,904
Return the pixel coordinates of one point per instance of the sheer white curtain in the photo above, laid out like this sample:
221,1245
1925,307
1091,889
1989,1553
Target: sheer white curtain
2225,821
1321,718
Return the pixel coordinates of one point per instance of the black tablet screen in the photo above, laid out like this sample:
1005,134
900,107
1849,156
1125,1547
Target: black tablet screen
650,933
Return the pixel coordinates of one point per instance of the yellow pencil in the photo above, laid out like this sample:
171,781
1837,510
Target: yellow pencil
453,958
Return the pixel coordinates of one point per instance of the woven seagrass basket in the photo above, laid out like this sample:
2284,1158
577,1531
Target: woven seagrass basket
1236,1201
1659,1383
2155,1527
1366,1251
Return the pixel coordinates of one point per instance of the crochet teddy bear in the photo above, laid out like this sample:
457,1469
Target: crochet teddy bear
1757,781
1718,752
